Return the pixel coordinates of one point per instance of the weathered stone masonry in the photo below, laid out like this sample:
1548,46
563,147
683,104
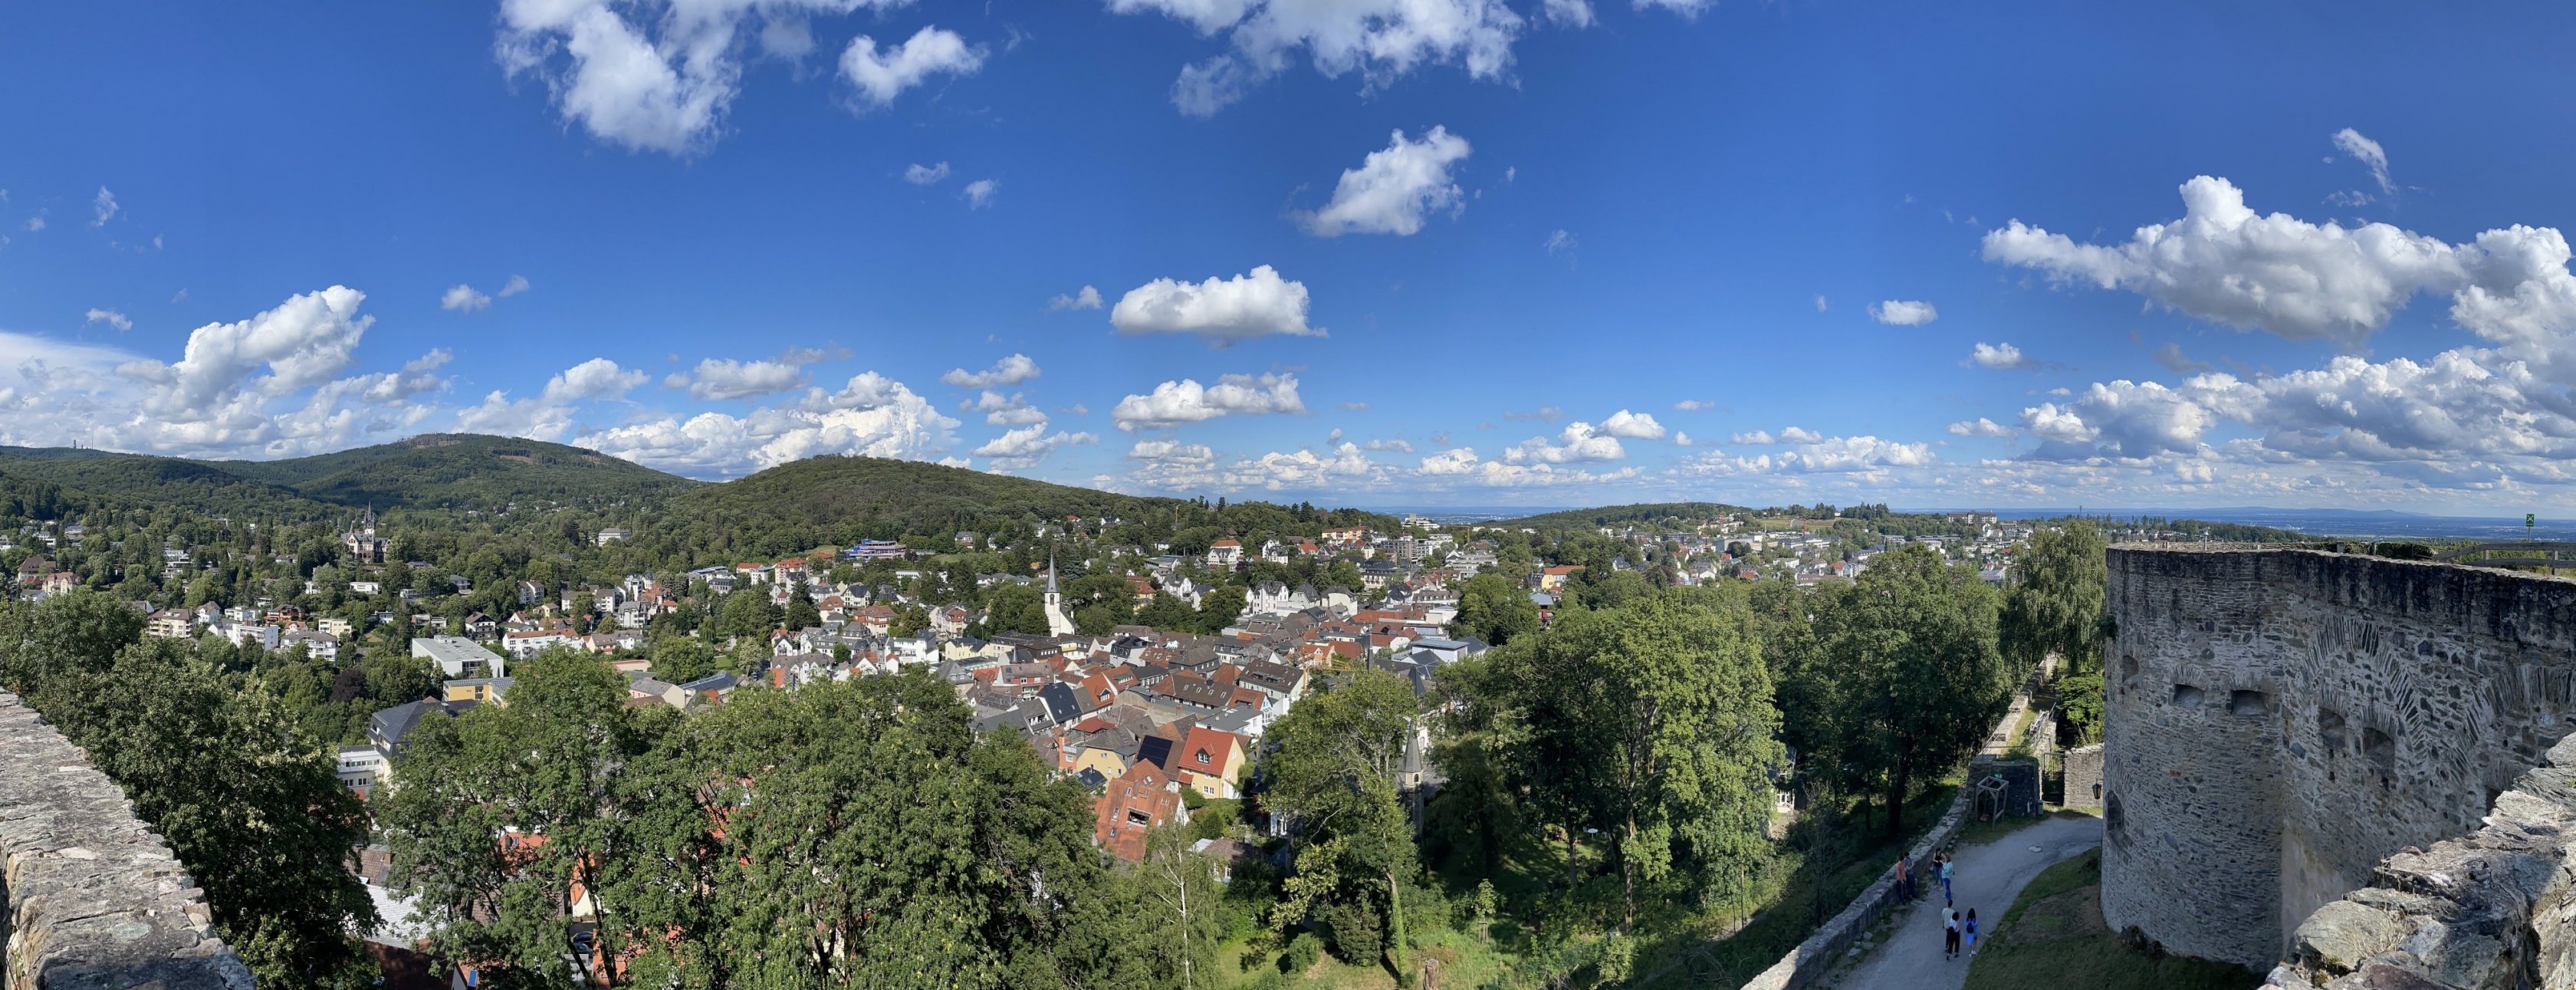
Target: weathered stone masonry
2279,722
90,897
2084,777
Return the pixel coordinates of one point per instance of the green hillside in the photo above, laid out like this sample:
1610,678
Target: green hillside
906,495
136,480
430,471
1665,513
829,500
463,470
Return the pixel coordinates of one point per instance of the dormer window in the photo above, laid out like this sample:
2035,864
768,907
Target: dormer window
1203,757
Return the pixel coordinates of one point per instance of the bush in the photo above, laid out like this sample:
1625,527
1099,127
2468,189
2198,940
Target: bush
1359,934
1302,953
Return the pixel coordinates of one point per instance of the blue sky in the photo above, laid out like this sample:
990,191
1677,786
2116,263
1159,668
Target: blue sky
1432,252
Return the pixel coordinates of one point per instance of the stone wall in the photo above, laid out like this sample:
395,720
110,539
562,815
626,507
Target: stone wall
2278,722
2492,910
2084,777
92,899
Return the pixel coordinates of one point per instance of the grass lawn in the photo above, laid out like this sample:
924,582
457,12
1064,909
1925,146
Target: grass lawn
2053,937
1465,961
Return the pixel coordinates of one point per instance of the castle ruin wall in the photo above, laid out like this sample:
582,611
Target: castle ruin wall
2278,722
90,897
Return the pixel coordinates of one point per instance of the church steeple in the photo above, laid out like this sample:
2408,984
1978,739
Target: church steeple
1058,624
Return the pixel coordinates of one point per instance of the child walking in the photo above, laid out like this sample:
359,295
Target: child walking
1970,930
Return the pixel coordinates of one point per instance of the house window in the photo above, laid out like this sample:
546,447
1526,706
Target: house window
1139,818
1203,757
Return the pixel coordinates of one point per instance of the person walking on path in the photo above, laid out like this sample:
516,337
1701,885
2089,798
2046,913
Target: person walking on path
1950,935
1905,877
1970,931
1946,901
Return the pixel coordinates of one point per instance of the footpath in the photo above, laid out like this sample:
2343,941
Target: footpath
1908,955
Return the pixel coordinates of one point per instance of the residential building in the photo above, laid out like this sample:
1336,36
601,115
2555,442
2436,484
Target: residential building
459,657
1225,553
1212,762
1137,802
361,542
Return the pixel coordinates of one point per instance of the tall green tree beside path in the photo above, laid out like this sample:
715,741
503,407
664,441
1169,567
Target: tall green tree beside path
2055,605
214,764
501,818
1918,676
1660,716
1333,768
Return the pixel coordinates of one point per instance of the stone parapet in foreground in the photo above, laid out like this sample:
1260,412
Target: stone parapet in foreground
92,898
2491,910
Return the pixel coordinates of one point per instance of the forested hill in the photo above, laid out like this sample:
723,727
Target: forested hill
820,501
1667,514
430,471
465,470
836,500
48,482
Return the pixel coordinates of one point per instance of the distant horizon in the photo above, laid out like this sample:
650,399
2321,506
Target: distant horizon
1497,510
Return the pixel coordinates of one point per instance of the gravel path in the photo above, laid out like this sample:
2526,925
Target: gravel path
1988,877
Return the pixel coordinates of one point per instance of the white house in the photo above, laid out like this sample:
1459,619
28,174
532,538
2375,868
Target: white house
458,657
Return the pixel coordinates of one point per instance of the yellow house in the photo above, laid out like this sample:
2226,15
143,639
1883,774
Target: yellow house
1212,762
488,690
1100,758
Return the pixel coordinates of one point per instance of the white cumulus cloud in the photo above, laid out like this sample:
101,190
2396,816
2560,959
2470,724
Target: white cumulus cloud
1981,427
1580,442
1174,403
1632,426
1378,40
1011,370
1219,310
926,175
725,378
1393,189
2004,356
463,299
1023,448
649,77
872,416
882,75
1903,312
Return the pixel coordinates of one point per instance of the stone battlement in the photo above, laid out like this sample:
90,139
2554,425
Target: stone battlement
90,897
2490,910
2280,722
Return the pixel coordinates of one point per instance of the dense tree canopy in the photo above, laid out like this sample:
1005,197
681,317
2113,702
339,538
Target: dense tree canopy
1652,724
2055,605
1916,676
853,833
